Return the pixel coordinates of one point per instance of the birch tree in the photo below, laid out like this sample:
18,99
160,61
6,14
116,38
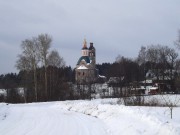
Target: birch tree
44,44
29,59
55,61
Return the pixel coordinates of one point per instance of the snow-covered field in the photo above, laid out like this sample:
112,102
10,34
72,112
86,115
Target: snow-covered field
96,117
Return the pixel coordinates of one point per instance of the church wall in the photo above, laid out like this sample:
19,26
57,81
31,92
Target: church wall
85,75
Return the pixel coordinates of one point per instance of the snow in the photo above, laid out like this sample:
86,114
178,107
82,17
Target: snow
125,120
85,117
3,92
147,81
101,76
46,119
82,67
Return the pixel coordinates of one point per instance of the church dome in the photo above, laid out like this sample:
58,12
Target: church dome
85,58
84,45
84,48
91,47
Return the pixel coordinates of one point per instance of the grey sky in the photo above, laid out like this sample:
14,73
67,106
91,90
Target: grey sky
115,26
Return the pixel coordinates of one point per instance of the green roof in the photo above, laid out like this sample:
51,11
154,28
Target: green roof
86,58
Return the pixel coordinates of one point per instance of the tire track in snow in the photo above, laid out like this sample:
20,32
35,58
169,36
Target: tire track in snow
45,119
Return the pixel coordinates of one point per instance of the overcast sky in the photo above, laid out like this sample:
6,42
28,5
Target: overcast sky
114,26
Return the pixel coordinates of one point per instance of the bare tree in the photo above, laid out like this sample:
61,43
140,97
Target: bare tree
172,55
157,54
44,44
142,55
55,61
177,42
29,59
142,58
152,55
163,64
171,101
177,65
23,64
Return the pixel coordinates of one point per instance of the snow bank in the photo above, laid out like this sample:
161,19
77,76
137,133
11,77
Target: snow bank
128,120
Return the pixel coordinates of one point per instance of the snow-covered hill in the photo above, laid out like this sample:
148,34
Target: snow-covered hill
96,117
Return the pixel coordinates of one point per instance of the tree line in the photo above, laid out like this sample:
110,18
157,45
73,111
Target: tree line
161,61
43,75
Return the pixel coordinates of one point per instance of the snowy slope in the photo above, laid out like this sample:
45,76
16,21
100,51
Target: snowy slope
44,119
96,117
123,120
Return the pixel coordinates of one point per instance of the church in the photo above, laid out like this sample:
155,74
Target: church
85,71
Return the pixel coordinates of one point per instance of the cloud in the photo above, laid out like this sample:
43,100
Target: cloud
115,27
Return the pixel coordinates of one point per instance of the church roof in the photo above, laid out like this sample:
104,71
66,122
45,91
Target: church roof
82,67
85,58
